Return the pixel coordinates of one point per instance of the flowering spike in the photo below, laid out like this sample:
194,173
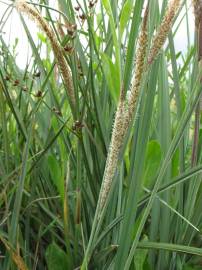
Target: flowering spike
34,15
163,30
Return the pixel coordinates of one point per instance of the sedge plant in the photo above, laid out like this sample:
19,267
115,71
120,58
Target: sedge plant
100,158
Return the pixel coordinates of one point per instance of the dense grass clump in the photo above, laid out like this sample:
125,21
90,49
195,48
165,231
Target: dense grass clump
100,158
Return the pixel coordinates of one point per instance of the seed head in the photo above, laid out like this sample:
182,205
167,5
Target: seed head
164,29
34,15
118,133
197,5
123,118
139,67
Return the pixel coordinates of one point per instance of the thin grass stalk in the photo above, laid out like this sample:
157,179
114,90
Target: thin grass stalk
66,217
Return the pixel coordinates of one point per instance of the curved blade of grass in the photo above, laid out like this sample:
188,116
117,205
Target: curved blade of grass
171,247
175,142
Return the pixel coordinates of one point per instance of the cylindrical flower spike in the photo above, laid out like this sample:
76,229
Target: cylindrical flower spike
124,116
118,134
163,30
139,67
197,4
34,15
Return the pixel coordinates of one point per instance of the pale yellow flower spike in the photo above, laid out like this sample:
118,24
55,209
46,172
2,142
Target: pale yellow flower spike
34,15
123,117
139,67
118,133
163,30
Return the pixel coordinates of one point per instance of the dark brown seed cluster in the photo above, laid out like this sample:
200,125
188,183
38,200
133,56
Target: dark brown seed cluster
16,83
92,3
71,30
77,126
77,8
80,14
82,17
24,88
55,110
69,49
37,74
38,94
7,77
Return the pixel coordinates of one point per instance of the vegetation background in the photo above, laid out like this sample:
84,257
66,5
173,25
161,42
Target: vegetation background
100,137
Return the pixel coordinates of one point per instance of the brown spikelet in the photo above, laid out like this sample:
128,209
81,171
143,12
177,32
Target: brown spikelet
26,8
60,30
197,5
139,68
17,259
164,29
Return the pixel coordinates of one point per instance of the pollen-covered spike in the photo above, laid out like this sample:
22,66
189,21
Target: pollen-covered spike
163,30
